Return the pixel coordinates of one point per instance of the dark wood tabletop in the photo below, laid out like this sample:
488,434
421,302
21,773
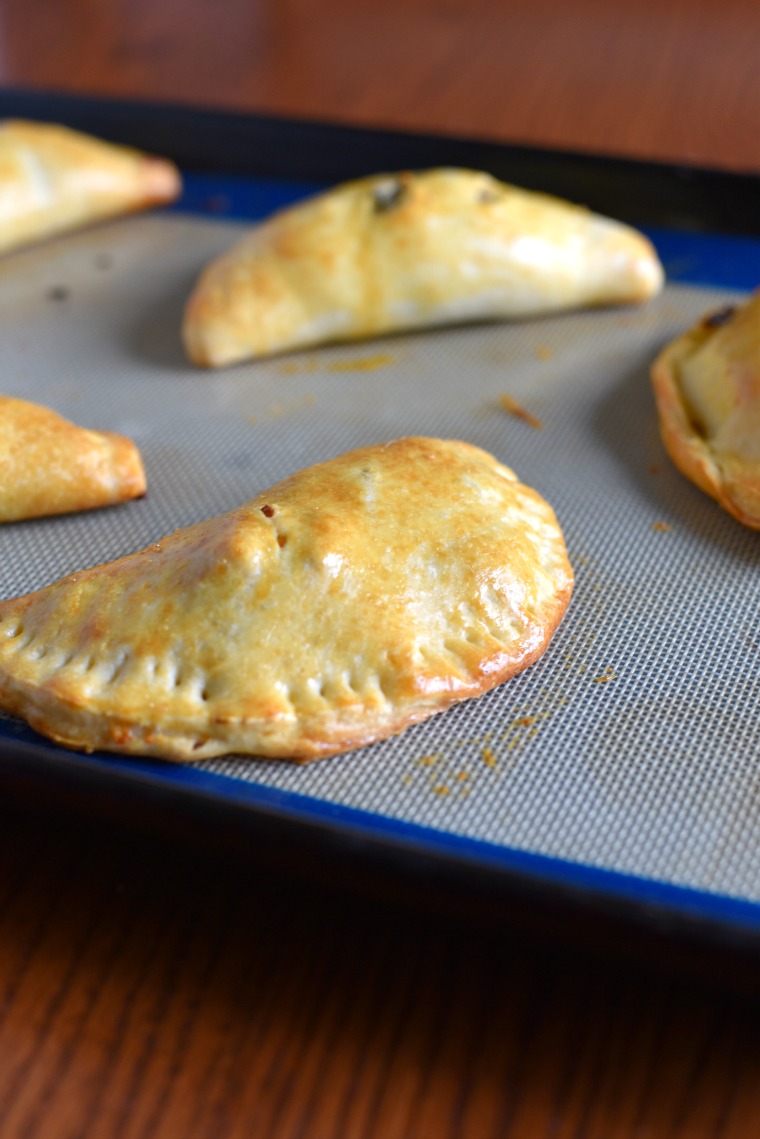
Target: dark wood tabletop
663,79
163,981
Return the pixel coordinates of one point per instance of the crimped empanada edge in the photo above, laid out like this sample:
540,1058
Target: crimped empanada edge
72,725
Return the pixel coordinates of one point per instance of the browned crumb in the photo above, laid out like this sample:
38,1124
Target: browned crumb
608,674
510,404
362,363
544,352
489,759
278,410
662,526
58,293
216,204
299,366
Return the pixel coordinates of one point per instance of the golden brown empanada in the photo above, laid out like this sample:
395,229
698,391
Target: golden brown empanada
53,179
50,466
349,601
406,251
707,388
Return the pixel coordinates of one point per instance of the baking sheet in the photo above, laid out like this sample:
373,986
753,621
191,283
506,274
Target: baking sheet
632,746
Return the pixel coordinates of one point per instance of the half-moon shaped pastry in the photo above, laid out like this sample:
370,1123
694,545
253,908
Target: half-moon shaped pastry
351,600
51,466
405,251
53,179
707,388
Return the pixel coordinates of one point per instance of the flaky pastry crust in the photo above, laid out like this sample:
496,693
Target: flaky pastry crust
351,600
51,466
707,390
53,179
405,251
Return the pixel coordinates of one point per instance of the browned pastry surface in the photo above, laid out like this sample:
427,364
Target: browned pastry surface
353,599
707,388
53,179
51,466
410,250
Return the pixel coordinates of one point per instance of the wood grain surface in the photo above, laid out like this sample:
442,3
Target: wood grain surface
158,988
665,79
154,990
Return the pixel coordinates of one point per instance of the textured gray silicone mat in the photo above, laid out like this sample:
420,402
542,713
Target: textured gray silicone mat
633,744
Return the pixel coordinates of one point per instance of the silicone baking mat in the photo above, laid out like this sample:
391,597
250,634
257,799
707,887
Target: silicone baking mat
632,747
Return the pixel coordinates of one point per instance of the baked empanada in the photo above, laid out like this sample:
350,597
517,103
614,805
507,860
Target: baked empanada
50,466
707,388
405,251
53,179
351,600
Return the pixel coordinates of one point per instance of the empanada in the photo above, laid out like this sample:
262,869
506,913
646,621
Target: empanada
50,466
347,602
405,251
53,179
707,388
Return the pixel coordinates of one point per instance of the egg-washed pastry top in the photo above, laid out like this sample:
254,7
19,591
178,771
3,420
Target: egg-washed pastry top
707,389
353,599
410,250
51,466
53,179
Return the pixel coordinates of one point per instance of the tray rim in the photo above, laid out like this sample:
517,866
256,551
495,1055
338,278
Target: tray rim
645,192
288,811
673,196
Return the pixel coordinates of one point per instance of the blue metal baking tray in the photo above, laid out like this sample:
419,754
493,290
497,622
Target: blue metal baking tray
704,868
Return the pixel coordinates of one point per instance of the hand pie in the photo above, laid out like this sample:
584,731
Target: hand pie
53,179
349,601
49,466
404,251
707,388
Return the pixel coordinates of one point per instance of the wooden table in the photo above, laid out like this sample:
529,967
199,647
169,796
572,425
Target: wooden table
153,985
665,79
